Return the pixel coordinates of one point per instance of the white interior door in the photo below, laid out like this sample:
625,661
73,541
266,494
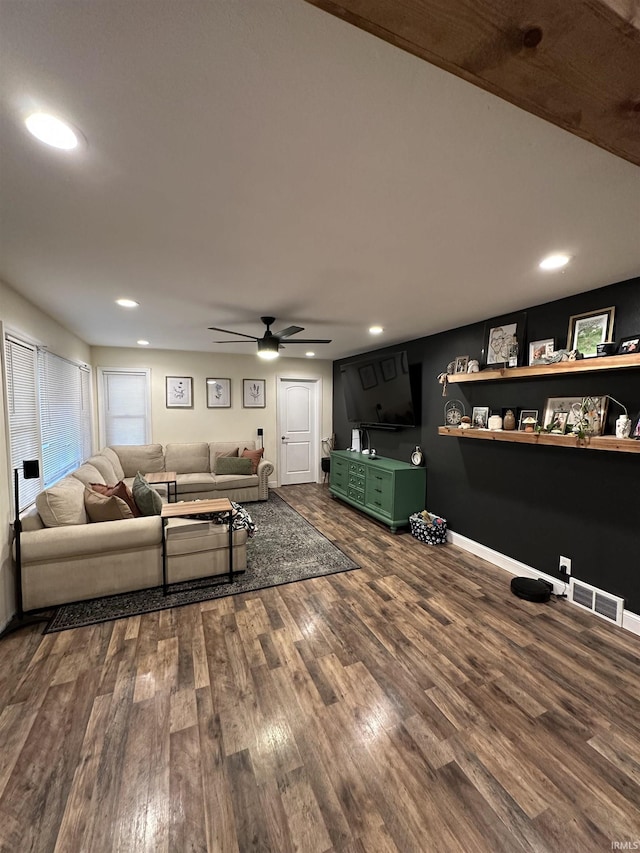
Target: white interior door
298,431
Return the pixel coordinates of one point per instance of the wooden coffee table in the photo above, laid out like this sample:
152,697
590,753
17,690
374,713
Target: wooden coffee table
167,478
216,507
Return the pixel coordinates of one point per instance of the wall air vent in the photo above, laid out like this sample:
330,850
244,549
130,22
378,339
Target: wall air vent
601,603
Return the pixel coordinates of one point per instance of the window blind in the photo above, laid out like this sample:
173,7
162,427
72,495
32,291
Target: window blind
24,432
85,412
125,406
61,418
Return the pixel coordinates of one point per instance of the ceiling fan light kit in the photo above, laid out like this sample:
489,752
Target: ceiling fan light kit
268,348
271,342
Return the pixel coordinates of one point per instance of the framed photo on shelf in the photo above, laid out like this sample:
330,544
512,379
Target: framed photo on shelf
503,344
253,393
595,414
218,393
541,349
588,330
480,417
179,392
629,345
528,420
461,364
558,423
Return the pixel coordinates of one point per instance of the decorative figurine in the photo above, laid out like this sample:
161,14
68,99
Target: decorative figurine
473,366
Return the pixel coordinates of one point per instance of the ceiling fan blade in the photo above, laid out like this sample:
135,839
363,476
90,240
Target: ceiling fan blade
307,341
229,332
231,342
290,330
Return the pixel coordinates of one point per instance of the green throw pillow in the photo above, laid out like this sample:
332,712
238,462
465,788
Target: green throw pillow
232,465
147,499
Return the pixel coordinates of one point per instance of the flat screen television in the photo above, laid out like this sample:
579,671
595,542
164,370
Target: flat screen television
377,391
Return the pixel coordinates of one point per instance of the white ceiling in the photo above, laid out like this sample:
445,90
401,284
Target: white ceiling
250,157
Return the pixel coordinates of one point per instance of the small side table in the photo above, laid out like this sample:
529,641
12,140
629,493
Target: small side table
214,507
167,478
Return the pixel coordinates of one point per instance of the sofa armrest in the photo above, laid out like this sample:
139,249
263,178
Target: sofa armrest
78,540
265,469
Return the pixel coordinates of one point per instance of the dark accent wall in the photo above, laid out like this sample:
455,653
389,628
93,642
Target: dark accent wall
529,502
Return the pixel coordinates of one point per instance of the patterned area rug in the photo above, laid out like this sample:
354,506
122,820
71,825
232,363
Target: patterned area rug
285,548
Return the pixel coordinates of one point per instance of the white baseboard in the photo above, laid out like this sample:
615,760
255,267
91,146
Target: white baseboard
630,621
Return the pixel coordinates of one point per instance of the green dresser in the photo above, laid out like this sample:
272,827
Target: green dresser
383,488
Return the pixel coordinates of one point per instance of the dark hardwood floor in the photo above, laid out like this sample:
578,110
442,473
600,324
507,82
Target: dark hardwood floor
412,705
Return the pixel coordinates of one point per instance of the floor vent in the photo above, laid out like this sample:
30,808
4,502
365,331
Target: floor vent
601,603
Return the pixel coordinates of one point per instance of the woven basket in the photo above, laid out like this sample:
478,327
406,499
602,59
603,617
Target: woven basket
432,534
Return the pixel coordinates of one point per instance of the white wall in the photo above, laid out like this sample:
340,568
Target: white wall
24,319
203,424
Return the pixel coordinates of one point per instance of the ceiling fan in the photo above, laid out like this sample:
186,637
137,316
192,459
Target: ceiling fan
271,342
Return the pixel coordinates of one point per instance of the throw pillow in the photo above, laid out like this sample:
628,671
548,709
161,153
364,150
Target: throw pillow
233,452
147,499
255,456
120,490
233,465
105,507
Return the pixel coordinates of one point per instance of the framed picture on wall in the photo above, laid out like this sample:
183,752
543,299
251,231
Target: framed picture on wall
179,392
218,393
253,393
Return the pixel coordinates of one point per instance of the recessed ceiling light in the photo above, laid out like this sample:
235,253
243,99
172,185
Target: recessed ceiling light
376,330
52,131
309,354
127,303
554,262
143,343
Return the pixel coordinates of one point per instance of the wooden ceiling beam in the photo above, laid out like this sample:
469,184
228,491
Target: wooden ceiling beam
575,63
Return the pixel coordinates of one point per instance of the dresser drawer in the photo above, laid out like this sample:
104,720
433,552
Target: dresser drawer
356,495
379,491
356,481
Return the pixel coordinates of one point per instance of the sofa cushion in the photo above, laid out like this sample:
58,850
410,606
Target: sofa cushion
225,448
62,504
235,481
120,490
147,499
112,457
194,482
105,507
187,458
186,536
88,474
147,458
233,465
105,467
255,456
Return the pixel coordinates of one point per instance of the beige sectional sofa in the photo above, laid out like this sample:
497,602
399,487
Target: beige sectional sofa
66,558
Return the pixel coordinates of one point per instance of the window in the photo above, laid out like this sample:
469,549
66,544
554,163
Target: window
49,413
125,414
62,419
22,413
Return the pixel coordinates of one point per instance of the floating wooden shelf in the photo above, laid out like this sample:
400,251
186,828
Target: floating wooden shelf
584,365
594,442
